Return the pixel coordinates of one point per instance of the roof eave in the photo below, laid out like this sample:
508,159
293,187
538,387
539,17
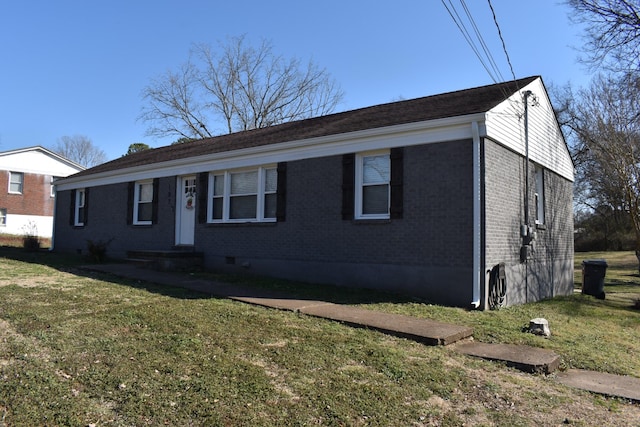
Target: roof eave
284,151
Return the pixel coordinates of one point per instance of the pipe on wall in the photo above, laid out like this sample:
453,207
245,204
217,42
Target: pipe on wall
477,217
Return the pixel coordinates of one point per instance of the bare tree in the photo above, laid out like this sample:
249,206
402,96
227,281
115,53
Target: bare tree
236,87
612,32
603,122
80,149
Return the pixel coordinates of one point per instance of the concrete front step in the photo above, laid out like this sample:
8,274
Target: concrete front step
166,260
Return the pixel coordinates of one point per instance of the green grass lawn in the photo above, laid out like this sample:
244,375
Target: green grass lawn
81,349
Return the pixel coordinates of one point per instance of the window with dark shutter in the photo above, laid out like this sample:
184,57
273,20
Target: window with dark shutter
72,208
397,174
79,204
281,194
130,195
348,184
201,194
85,211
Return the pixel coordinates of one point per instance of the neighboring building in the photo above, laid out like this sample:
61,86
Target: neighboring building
423,197
27,192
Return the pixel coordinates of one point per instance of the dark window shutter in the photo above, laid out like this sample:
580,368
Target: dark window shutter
202,191
72,209
348,185
130,194
397,173
281,194
154,203
85,215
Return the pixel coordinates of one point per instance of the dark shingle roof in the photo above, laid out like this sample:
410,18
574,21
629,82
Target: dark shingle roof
451,104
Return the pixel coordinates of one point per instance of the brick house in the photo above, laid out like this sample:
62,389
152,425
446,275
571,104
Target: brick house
462,198
27,193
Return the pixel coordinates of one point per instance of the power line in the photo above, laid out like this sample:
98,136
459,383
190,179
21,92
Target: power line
504,46
479,48
465,33
485,48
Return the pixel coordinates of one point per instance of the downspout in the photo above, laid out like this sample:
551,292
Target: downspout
477,217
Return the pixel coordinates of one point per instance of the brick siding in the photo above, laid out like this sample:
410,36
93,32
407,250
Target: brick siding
35,198
427,253
549,268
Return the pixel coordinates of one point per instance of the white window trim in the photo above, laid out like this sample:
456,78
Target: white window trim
137,201
53,186
3,217
359,185
80,197
226,198
11,174
539,196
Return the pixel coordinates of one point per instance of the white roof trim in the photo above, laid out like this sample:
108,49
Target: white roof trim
439,130
46,151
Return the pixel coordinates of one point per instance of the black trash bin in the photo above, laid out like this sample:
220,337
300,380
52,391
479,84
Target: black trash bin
593,272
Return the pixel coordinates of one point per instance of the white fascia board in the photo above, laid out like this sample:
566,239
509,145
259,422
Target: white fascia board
73,166
428,132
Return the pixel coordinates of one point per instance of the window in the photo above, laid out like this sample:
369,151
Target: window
539,196
143,205
243,195
16,181
80,213
53,187
373,185
3,217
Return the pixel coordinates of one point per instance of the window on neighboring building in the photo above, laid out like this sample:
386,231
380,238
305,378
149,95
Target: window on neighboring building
53,187
3,217
244,195
373,185
539,195
16,182
80,213
143,206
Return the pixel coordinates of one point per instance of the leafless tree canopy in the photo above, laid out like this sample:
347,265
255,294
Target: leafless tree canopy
236,87
80,149
612,32
603,122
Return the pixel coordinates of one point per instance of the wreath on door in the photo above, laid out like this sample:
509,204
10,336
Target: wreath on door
190,196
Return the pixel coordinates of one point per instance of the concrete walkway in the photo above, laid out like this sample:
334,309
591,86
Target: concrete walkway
525,358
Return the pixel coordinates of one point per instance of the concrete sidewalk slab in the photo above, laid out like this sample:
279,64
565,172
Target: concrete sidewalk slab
297,305
602,383
526,358
423,330
522,357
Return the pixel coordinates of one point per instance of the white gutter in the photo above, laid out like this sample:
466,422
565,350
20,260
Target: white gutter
431,131
477,217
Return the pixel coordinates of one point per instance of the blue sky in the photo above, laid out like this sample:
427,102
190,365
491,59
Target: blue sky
72,67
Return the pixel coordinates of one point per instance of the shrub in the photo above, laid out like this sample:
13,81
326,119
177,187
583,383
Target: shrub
98,249
30,239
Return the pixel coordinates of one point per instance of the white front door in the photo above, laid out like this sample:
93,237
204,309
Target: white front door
186,210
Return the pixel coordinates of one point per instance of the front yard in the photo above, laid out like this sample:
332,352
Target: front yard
80,349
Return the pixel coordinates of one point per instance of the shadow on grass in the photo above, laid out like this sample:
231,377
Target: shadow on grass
197,285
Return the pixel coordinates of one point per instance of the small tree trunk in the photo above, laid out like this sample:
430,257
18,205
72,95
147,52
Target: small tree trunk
638,257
